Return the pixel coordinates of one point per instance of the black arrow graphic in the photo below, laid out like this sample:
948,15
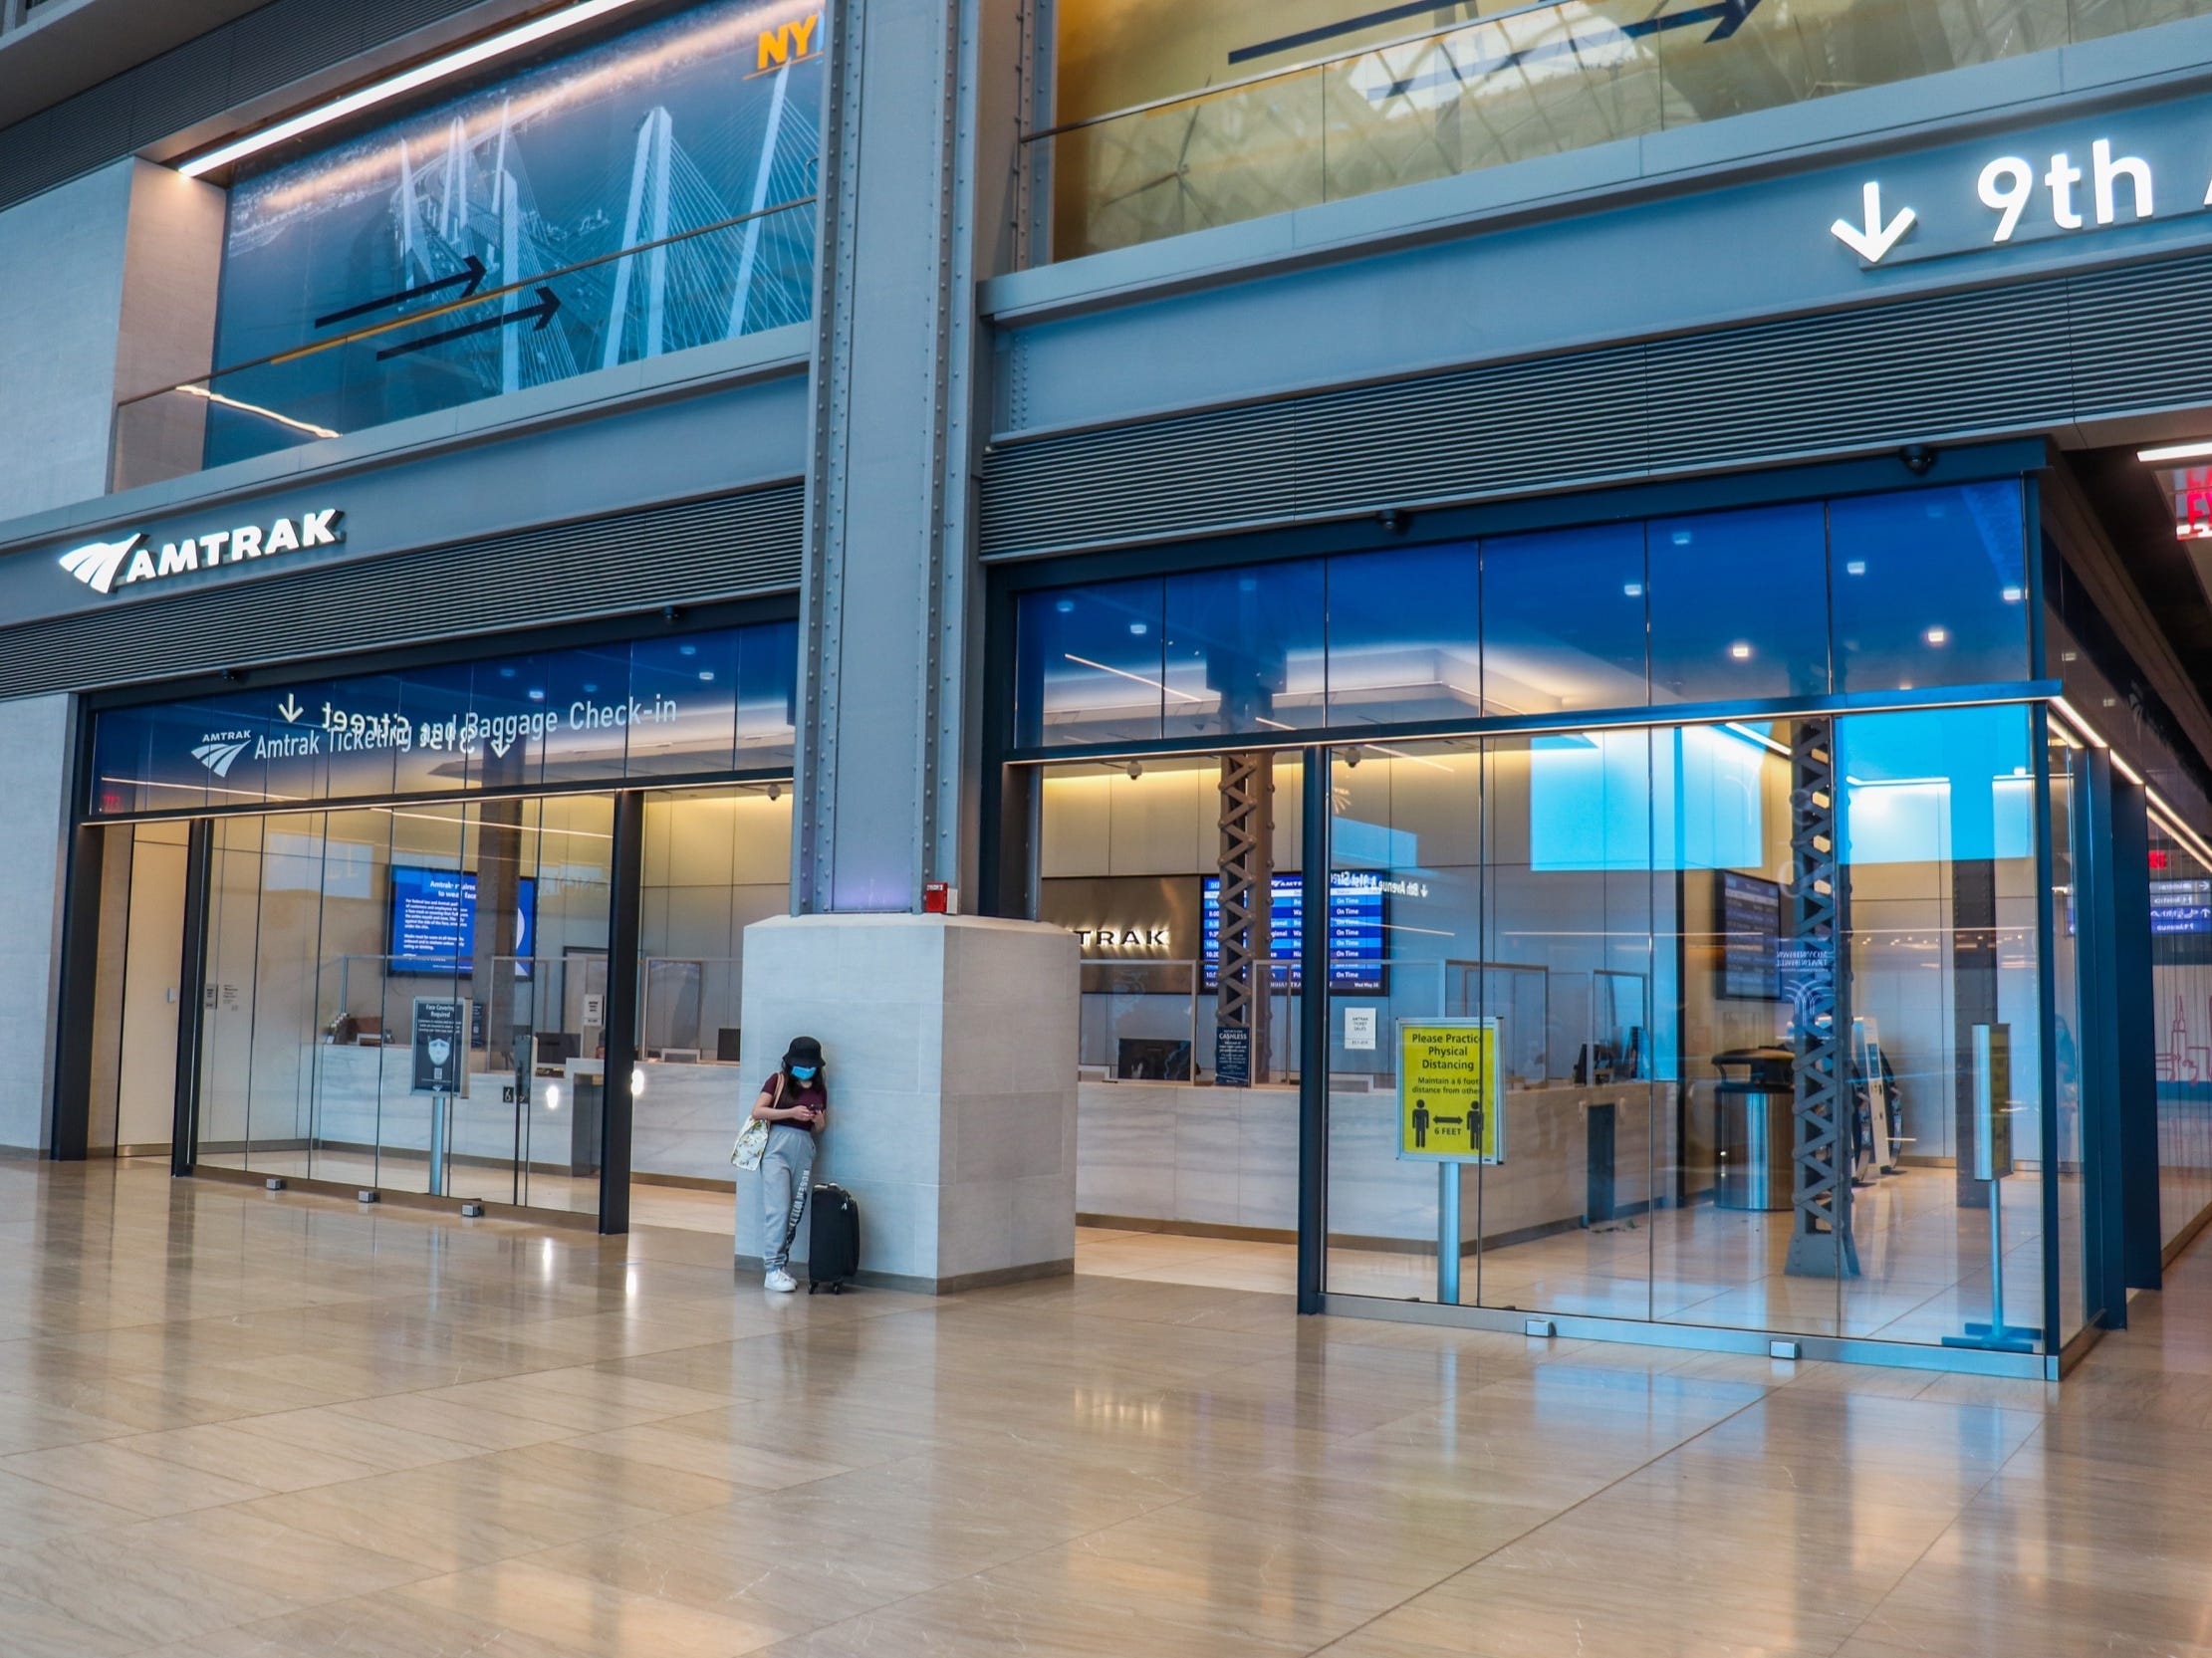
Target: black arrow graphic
468,282
548,302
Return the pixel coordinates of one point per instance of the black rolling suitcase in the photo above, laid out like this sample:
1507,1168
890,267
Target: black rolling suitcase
833,1239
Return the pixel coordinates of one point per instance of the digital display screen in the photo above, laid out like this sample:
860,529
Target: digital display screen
1356,930
433,921
2181,907
1750,927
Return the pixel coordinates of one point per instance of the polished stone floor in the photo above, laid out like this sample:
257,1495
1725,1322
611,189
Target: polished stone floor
235,1425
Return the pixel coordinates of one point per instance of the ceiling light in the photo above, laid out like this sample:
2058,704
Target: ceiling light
397,86
1741,651
2199,450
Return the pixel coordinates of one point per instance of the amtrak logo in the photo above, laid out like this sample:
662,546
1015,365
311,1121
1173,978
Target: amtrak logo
96,563
219,751
104,565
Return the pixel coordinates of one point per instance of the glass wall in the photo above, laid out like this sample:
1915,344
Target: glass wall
640,711
1905,592
334,936
1651,924
642,195
1205,114
715,861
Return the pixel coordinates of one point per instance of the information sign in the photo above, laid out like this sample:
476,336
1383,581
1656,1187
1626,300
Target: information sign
1992,1101
440,1043
1232,1057
1360,1029
1449,1110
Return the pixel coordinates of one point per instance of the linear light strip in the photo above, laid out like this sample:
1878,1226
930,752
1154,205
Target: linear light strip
2175,452
397,86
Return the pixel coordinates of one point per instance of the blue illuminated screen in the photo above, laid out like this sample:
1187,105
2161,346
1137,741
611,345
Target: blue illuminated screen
1356,930
433,921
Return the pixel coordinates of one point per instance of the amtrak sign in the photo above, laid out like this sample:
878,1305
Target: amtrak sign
109,566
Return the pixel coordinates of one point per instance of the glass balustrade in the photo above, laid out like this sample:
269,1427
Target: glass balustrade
442,345
1215,137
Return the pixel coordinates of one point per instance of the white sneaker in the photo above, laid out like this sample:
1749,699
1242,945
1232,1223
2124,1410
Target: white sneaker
781,1282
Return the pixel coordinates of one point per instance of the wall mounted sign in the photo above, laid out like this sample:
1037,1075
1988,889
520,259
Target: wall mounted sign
689,705
104,565
2060,184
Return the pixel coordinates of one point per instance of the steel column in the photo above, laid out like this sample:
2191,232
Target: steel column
623,927
1245,983
1821,1242
1314,1026
192,996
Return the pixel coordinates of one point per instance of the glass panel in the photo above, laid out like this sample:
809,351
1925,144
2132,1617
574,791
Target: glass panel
2181,992
667,707
1341,107
1129,860
1245,649
715,861
638,196
1739,606
1929,589
1091,664
1402,628
1944,984
1563,620
2069,803
1727,1255
1566,1216
226,1030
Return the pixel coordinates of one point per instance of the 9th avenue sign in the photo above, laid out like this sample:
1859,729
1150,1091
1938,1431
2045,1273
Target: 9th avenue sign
104,565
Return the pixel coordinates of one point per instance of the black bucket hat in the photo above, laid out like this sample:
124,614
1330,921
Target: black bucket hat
804,1050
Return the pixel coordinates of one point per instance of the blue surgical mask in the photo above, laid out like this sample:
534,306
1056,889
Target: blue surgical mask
802,1073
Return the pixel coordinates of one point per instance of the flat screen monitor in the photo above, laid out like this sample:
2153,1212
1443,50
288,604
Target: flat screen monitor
1357,923
1750,926
432,926
2181,906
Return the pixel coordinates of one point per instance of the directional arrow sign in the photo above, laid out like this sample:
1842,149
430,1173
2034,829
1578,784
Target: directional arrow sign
1873,239
470,279
289,708
541,313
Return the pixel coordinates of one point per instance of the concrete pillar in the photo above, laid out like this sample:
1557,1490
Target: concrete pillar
112,284
951,1041
35,737
949,1044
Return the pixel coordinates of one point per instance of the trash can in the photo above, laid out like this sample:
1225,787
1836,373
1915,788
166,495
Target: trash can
1754,1137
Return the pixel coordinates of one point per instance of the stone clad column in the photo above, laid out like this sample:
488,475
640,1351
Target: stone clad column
951,1038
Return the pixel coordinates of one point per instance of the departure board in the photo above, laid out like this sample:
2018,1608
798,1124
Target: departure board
1356,928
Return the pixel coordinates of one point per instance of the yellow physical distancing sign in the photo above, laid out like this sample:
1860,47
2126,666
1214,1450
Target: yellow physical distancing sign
1448,1097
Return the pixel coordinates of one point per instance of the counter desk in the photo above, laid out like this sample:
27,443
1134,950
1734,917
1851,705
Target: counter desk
1168,1154
684,1117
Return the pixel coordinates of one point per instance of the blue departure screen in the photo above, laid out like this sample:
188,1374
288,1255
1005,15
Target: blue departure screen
1356,930
433,921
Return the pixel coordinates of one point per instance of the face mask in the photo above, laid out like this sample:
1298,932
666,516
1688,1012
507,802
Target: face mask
802,1073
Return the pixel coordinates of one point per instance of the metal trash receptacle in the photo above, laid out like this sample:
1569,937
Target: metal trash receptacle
1753,1136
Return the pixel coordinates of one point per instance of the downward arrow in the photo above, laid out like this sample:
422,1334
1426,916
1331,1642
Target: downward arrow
289,708
1874,239
500,746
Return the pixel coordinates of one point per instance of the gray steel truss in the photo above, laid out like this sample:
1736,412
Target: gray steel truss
1818,976
1247,866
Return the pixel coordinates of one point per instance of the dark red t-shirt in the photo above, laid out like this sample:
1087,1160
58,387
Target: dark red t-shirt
793,1095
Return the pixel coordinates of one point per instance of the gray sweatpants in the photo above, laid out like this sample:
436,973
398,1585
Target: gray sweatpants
786,1176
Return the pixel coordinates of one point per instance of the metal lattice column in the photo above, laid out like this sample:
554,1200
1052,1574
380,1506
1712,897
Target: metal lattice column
1247,867
1821,1241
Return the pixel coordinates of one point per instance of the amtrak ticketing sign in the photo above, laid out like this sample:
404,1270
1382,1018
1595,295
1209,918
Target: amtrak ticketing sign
693,705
